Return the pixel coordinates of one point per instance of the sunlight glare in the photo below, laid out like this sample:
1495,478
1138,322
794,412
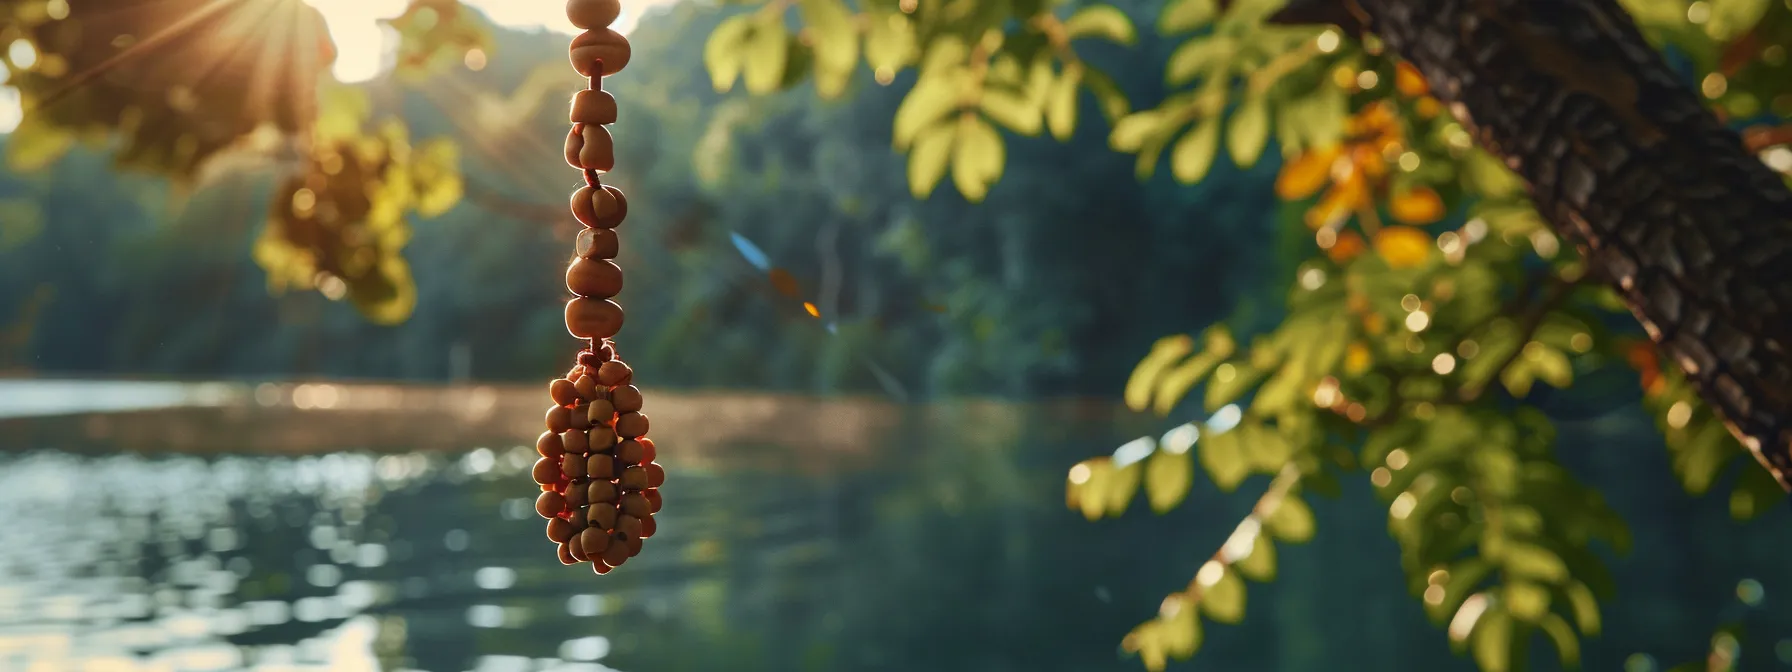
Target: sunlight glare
362,45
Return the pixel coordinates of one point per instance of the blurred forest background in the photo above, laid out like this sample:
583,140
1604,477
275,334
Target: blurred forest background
170,244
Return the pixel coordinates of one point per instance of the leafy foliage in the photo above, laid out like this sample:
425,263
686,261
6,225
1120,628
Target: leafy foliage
1431,304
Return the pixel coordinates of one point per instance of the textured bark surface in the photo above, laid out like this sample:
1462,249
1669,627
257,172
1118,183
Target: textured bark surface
1624,160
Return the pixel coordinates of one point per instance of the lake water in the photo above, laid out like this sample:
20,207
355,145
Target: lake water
366,527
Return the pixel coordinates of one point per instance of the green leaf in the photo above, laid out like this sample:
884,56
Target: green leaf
1584,606
1224,600
1533,561
1105,21
723,53
1164,353
1180,633
1292,521
765,51
1202,56
1223,456
1168,477
1226,388
1181,16
1527,601
1248,131
928,159
978,158
1114,103
1123,488
1567,644
1193,155
1131,131
1269,450
1011,110
1260,565
835,42
1060,102
1492,640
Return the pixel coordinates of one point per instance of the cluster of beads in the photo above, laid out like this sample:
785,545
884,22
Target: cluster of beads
599,482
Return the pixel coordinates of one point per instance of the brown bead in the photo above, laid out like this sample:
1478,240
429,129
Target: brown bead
635,504
631,425
602,439
653,500
577,550
598,244
593,318
600,468
601,517
614,372
588,14
581,417
586,386
602,492
575,143
608,208
597,148
626,398
630,452
566,556
633,478
559,530
562,391
572,466
656,475
651,452
648,527
575,442
577,497
546,471
593,107
633,544
594,541
594,277
601,567
601,413
548,445
617,553
584,208
602,44
559,419
550,504
628,526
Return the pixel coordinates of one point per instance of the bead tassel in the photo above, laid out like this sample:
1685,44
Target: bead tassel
599,481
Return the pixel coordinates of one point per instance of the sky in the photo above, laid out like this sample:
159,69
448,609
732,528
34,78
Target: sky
362,47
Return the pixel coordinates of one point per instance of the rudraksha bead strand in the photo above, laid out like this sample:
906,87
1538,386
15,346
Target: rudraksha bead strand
599,481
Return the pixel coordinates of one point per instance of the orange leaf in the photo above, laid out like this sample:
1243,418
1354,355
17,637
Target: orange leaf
1421,205
1346,196
1347,247
1403,246
1428,107
1305,174
1408,80
1357,358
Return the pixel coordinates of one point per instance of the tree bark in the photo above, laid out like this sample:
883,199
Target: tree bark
1623,160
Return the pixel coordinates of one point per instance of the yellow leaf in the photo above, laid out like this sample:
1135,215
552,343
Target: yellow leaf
1224,600
1303,176
1167,479
1403,246
1527,601
1166,351
1193,154
1260,565
928,158
1348,246
977,159
1291,521
1420,205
